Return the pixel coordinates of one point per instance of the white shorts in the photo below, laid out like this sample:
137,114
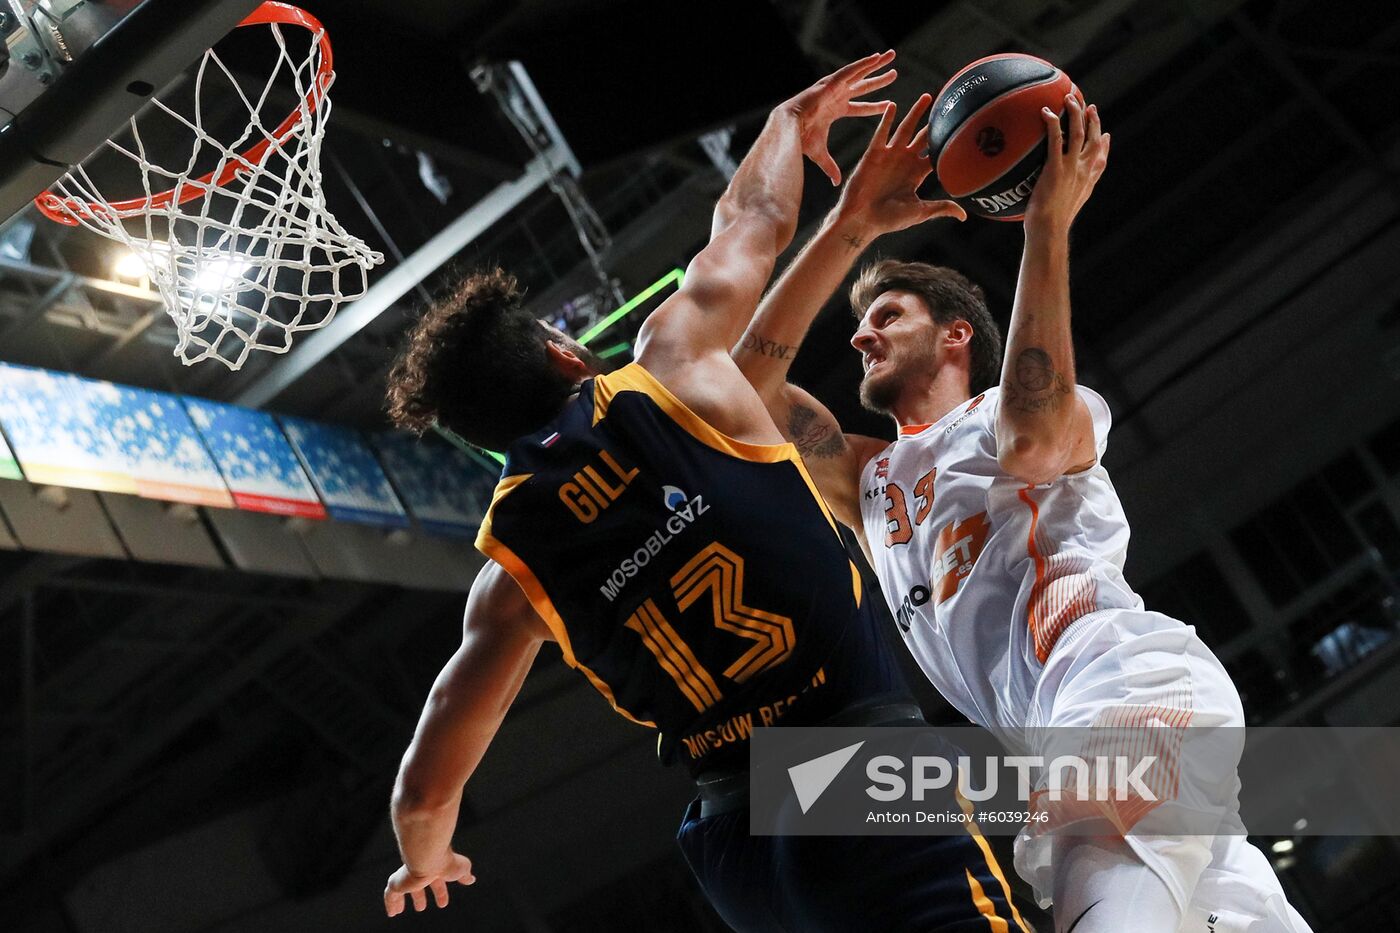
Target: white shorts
1107,669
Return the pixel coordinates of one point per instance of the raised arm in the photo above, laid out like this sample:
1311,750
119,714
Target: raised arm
1044,429
881,197
755,219
500,637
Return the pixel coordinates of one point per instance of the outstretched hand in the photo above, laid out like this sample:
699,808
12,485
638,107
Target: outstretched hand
883,190
405,885
834,97
1073,167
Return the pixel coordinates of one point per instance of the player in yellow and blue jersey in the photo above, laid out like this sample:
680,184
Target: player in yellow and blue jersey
654,523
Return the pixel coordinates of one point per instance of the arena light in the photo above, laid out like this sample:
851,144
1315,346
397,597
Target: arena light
675,275
221,275
614,350
1282,846
128,266
216,275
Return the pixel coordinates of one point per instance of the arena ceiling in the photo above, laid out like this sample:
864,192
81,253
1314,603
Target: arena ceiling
1222,112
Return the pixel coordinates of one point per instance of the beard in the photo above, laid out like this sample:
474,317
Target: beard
879,393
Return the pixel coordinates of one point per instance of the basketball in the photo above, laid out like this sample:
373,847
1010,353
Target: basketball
986,133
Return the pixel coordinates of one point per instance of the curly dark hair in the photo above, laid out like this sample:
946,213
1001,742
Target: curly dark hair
950,296
475,363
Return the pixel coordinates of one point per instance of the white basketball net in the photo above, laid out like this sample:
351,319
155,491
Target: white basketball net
243,265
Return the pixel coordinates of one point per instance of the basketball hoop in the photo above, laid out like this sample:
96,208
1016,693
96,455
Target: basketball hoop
246,254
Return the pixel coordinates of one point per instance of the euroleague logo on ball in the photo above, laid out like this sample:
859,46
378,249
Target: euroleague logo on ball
986,140
990,141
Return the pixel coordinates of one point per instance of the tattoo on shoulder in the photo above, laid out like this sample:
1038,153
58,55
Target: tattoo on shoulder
852,241
812,435
756,343
1035,384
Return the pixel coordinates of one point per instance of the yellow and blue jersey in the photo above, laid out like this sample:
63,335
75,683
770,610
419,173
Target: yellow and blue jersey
698,581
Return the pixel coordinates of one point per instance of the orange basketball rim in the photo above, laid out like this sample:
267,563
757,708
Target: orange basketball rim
65,210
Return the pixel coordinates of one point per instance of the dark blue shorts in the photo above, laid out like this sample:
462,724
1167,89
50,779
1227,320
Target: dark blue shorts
868,884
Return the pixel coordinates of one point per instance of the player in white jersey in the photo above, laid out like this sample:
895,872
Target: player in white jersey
998,538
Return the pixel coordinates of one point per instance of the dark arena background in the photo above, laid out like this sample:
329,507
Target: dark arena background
202,707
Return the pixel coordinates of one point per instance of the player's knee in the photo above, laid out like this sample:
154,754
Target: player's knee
1102,885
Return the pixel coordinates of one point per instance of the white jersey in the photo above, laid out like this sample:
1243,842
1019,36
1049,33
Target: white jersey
983,573
1012,599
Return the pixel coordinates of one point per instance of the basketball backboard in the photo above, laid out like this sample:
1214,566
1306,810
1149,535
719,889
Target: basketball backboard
75,70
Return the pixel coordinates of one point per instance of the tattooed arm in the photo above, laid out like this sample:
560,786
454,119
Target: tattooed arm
767,349
880,198
769,345
833,458
1044,429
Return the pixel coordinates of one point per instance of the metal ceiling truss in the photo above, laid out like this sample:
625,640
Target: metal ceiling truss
553,165
56,283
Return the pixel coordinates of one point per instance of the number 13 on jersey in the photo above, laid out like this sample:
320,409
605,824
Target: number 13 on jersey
718,572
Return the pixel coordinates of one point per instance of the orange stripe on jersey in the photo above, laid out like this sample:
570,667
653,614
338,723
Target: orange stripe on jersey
907,429
1136,733
816,493
700,678
601,686
634,378
675,656
984,904
1038,587
544,607
603,392
720,571
1064,588
503,488
1121,737
666,659
534,590
992,864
